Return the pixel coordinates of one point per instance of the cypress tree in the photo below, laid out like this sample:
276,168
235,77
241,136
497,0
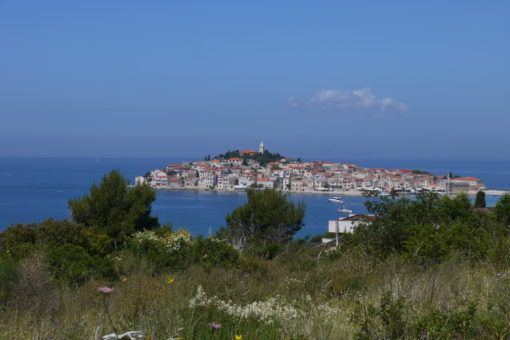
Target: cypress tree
480,199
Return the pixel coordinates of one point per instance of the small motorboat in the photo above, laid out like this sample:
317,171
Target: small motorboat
344,210
336,199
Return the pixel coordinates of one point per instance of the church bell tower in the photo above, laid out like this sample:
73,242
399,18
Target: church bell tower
261,147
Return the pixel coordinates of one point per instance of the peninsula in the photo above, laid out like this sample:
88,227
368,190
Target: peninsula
242,169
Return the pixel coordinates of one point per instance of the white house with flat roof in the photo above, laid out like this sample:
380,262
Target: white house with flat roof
345,225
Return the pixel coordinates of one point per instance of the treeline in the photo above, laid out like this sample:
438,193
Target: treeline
262,158
434,228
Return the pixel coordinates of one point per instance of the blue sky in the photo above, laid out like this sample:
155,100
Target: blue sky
314,79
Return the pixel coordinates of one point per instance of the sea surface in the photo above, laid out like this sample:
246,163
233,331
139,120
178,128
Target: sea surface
33,189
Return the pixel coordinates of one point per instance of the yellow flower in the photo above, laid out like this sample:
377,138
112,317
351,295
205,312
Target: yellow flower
170,279
239,337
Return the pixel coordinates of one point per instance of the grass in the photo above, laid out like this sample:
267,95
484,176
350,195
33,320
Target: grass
350,297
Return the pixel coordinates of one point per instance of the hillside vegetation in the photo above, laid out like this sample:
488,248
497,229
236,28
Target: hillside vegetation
433,267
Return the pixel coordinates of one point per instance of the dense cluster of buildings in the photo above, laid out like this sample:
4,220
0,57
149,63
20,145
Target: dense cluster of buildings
240,173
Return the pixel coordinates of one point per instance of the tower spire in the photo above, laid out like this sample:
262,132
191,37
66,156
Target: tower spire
261,147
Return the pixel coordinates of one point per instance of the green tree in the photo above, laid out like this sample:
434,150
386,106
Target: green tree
480,199
502,209
115,207
268,218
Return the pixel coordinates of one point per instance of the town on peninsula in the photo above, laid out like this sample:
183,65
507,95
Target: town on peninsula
242,169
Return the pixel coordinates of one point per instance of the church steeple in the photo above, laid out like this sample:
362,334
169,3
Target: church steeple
261,147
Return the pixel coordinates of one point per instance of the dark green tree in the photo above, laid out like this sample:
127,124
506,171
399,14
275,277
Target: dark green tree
480,199
502,209
115,207
268,218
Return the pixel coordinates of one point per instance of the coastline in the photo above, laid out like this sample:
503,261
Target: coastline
353,193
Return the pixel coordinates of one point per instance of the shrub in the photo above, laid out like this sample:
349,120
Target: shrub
19,241
211,252
169,251
54,233
8,277
448,325
387,320
432,228
35,291
502,209
71,263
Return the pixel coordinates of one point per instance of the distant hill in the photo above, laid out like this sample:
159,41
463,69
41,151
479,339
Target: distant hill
262,158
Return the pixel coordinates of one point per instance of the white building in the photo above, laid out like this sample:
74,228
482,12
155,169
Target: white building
208,181
348,224
140,180
286,184
234,161
226,182
245,181
159,178
265,183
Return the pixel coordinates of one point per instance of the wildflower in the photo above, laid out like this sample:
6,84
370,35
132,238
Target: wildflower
170,279
239,337
214,325
105,290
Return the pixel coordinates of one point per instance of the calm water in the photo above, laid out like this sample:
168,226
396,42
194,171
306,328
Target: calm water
32,189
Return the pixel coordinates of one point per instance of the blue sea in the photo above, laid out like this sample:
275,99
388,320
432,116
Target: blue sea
33,189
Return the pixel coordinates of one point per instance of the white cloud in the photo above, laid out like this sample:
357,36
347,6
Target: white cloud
293,102
390,103
351,99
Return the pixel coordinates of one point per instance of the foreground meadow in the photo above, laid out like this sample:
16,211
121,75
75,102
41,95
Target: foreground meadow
296,297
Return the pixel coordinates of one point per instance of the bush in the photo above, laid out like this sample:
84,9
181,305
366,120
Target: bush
35,291
168,251
211,252
502,209
448,325
432,228
387,320
19,241
8,277
71,263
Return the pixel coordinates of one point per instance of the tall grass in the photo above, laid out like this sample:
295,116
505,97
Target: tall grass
350,297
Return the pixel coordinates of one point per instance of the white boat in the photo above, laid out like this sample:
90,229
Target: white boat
345,211
336,199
